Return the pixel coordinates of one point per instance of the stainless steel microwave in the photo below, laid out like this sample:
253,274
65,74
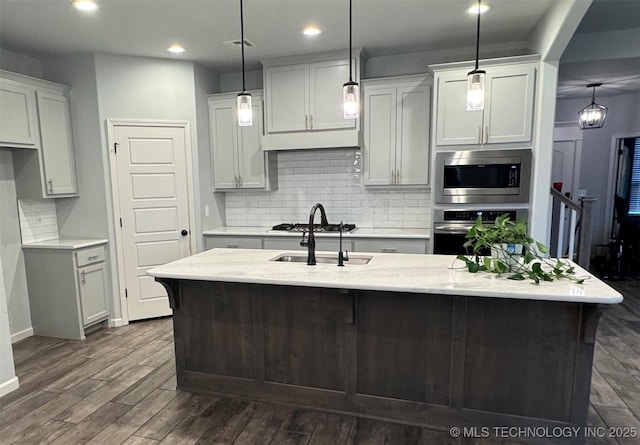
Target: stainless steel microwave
481,177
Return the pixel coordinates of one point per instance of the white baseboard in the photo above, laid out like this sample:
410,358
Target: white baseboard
117,322
9,386
21,335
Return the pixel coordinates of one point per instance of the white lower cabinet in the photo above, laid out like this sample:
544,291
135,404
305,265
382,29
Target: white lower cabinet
390,245
232,242
67,290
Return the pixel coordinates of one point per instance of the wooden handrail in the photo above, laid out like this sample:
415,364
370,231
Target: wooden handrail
565,200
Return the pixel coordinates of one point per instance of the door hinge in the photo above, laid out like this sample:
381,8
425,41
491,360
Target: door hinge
120,222
126,293
115,147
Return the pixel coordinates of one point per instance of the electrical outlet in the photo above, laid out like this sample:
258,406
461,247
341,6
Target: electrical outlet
582,193
206,210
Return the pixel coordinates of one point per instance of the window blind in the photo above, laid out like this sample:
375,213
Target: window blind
634,191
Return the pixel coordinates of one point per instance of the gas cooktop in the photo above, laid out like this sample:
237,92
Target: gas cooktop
299,227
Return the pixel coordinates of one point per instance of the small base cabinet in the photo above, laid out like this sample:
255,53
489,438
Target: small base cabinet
435,361
67,290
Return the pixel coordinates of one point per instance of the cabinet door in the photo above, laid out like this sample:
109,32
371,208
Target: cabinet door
232,242
509,111
412,139
18,125
223,143
325,82
390,245
454,124
286,98
93,294
57,144
250,155
379,116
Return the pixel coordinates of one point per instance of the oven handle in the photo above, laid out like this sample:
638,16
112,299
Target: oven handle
444,228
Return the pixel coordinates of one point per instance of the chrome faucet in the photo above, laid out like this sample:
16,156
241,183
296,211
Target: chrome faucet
311,240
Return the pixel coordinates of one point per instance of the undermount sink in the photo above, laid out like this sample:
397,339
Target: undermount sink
322,259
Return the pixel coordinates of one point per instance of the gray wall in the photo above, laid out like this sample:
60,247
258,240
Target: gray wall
19,63
623,117
7,370
206,82
15,279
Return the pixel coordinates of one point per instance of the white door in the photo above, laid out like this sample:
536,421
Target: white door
153,197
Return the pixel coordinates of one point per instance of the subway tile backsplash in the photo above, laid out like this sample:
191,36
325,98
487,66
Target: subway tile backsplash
332,178
38,220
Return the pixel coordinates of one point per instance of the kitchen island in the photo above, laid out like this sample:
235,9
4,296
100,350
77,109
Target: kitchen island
407,338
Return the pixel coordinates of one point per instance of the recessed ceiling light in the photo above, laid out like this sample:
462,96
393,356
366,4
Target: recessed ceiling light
312,30
176,49
484,7
85,5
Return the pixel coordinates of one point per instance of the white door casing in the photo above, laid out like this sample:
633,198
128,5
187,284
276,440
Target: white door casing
151,177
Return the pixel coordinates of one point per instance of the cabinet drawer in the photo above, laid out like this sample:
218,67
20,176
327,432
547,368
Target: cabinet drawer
90,256
232,242
390,246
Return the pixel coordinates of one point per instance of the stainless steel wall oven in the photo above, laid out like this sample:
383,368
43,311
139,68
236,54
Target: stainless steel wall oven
451,225
482,177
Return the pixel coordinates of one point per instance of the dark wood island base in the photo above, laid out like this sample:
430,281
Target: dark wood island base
435,361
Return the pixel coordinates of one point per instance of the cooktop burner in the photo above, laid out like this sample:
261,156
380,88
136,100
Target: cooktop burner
299,227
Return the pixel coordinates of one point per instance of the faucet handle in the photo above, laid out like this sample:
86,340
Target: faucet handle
303,242
346,255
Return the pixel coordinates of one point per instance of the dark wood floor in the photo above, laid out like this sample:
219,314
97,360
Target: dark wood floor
118,387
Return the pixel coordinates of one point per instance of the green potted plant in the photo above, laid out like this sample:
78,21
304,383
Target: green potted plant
512,251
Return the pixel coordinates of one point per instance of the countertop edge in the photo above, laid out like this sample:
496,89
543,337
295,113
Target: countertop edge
65,244
359,233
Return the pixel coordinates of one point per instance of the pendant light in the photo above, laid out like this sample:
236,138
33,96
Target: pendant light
350,90
245,111
593,115
475,78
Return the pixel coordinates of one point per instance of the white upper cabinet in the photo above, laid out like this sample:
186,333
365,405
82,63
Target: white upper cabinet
508,114
58,163
18,121
303,102
396,131
36,114
237,156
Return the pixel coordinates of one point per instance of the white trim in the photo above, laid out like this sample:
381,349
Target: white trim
117,322
611,187
9,386
115,195
25,333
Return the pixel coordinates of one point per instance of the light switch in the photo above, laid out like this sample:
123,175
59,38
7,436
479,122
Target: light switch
206,210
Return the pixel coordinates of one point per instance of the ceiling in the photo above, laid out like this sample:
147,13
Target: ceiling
46,28
51,28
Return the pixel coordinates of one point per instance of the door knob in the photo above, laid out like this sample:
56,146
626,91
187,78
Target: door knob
184,232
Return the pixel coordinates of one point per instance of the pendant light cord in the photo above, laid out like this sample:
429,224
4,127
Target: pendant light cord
478,37
350,34
242,43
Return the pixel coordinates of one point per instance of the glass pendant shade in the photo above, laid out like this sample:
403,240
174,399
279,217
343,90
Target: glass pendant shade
350,96
245,111
475,90
593,115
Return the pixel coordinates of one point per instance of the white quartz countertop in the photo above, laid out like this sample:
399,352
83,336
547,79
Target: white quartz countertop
360,232
428,274
65,243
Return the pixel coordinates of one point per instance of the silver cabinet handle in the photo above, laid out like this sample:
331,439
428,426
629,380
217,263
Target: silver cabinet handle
232,246
84,281
240,180
486,134
93,257
388,249
306,122
311,122
480,134
236,181
393,177
50,181
397,176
